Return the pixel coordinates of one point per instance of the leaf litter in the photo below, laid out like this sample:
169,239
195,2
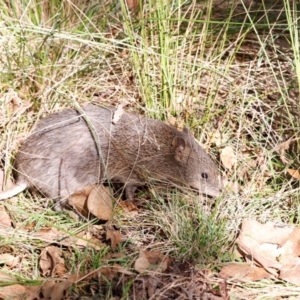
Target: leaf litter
93,200
51,260
270,250
271,254
5,220
156,270
228,157
114,236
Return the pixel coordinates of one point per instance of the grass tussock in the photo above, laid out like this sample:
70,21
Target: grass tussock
228,71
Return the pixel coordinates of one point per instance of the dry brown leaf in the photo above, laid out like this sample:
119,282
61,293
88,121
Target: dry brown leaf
11,99
292,245
294,173
83,241
151,286
20,108
289,257
53,289
82,238
97,230
9,260
228,157
15,99
142,264
177,122
5,221
224,290
117,255
47,288
128,206
88,240
132,4
274,247
114,236
16,106
284,159
99,202
249,241
231,186
49,234
79,200
103,273
217,137
151,261
245,271
178,103
19,292
27,227
268,250
283,147
124,53
6,99
265,233
51,262
171,120
119,269
106,273
290,272
148,288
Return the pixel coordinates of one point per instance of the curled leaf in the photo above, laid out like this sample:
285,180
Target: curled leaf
228,157
294,173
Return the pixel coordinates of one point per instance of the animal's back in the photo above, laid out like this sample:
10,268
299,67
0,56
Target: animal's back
61,156
68,151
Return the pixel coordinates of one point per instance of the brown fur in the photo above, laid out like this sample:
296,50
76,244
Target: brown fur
61,156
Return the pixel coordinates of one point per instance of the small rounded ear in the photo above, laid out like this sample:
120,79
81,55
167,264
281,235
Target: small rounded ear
179,149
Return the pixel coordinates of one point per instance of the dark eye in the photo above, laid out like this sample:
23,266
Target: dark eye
204,175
